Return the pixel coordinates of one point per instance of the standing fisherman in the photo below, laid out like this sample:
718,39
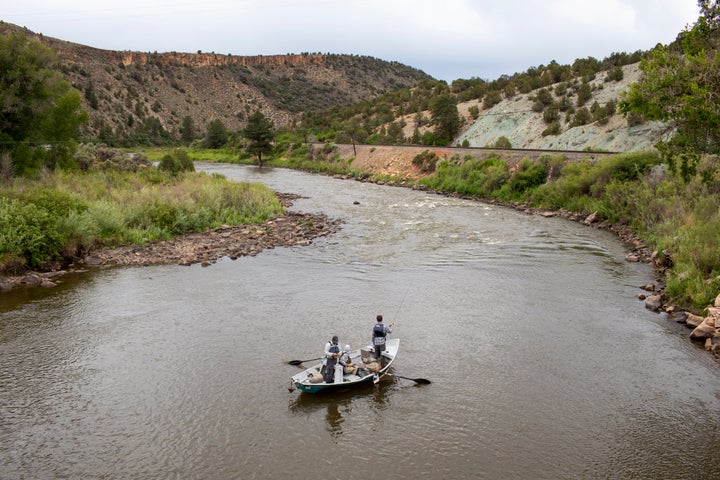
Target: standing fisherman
332,353
380,331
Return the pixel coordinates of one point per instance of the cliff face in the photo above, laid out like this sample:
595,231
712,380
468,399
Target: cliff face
74,52
132,93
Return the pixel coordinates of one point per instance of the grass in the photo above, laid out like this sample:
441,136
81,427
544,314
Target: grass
66,213
226,155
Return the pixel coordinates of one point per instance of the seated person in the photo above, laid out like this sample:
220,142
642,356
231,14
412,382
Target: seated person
346,362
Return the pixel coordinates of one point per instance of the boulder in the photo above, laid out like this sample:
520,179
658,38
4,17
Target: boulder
672,309
592,218
717,301
704,330
678,316
92,260
693,321
31,280
653,302
713,344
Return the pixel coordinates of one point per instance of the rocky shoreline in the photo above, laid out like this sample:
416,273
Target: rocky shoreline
205,248
294,228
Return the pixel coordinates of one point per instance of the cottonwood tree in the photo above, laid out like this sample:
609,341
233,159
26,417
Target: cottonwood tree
259,131
40,112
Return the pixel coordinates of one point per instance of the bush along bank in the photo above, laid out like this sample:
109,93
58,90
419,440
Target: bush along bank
66,219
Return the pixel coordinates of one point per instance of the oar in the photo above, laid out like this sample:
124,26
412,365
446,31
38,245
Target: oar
298,362
422,381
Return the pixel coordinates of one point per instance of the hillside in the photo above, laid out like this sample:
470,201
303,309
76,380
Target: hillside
515,119
122,90
555,107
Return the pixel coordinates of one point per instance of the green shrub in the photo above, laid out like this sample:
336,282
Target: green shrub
501,142
622,167
29,232
551,115
584,94
176,162
582,117
426,161
530,175
615,74
471,177
55,202
634,119
491,99
552,129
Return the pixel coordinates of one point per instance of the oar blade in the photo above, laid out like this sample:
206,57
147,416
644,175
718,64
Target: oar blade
422,381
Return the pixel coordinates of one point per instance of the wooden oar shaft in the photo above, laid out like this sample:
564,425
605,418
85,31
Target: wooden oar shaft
298,362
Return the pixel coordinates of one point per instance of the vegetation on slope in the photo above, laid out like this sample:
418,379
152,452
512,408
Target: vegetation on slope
423,109
151,98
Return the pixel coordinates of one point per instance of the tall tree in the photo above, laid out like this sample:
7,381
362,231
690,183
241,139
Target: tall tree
40,113
217,134
445,117
259,131
187,130
680,86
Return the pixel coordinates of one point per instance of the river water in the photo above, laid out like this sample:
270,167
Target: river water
543,364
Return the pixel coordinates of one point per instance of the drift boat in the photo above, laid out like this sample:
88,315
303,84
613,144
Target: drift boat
311,381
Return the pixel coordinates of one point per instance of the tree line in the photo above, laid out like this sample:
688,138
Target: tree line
41,114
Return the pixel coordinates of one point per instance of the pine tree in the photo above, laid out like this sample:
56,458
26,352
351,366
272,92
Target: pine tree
259,131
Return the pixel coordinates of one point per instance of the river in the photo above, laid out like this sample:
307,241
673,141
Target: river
543,363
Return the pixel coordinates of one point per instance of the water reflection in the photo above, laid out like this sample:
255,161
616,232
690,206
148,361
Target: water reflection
335,419
338,407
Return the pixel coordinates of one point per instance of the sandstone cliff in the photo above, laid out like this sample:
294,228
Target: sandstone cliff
123,89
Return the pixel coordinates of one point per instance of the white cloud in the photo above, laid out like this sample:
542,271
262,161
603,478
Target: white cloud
448,40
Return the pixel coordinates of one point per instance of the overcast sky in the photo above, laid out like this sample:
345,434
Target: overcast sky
447,39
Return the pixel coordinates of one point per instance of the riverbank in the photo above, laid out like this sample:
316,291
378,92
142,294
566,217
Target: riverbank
205,248
301,229
705,330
